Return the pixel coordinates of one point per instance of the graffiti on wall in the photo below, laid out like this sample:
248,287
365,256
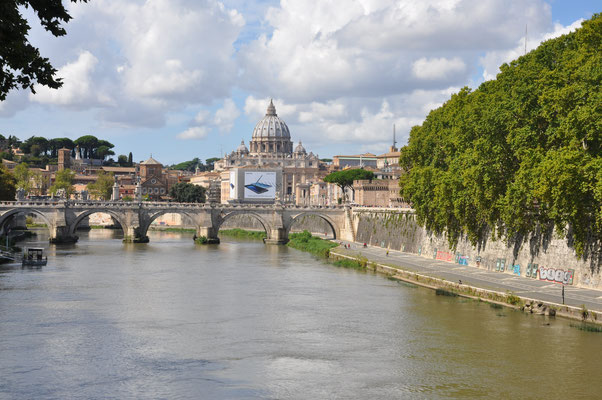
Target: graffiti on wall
444,256
516,269
531,271
463,260
556,275
500,264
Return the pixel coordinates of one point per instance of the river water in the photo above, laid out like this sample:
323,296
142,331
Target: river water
174,320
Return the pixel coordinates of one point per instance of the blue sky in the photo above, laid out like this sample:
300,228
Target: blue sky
190,78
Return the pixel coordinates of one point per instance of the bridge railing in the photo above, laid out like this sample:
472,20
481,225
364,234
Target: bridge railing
159,205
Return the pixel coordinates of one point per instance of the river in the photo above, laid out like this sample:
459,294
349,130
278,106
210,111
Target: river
174,320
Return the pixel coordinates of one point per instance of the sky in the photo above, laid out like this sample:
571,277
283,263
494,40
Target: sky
180,79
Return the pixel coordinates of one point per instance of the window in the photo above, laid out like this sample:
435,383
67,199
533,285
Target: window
143,190
162,190
156,190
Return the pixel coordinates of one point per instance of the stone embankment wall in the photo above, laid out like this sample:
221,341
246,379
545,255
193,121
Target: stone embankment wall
549,258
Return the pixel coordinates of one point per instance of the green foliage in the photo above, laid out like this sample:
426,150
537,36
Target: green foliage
243,234
21,63
587,327
513,299
345,178
7,185
519,154
187,193
189,165
444,292
63,180
306,242
23,177
122,160
201,240
103,187
584,312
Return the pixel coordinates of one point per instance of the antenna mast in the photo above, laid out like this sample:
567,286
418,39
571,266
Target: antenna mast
525,39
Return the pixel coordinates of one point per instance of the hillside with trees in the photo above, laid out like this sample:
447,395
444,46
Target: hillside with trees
520,155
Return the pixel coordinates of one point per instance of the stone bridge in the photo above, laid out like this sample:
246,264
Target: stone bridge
62,217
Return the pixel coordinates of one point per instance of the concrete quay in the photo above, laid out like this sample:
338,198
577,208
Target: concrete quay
479,281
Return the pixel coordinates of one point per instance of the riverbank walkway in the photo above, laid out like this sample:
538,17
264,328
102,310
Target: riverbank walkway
480,278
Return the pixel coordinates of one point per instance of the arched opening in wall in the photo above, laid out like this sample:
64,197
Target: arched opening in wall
242,226
97,226
23,226
316,224
171,226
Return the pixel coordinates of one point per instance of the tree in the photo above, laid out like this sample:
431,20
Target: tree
7,184
130,160
122,160
23,177
63,180
21,63
103,187
59,143
519,155
103,152
210,161
344,179
88,144
35,145
187,193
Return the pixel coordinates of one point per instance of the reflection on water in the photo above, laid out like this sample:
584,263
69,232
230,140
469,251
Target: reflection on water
170,319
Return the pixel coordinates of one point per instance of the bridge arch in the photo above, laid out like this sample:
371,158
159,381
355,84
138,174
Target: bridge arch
148,221
4,218
223,218
333,225
87,213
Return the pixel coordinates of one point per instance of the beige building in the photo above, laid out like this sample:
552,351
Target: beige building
271,148
378,193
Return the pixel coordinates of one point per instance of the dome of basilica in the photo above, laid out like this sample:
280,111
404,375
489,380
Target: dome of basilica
271,126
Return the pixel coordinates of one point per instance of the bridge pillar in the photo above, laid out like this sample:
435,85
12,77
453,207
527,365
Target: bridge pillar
133,234
206,235
61,234
276,236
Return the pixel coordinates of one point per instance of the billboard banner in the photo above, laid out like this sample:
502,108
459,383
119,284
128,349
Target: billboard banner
232,184
260,185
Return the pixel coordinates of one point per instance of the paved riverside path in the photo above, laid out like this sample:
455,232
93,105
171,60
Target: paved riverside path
478,277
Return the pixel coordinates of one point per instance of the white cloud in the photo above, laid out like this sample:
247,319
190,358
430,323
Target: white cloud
78,90
437,68
225,116
370,48
492,60
195,132
175,50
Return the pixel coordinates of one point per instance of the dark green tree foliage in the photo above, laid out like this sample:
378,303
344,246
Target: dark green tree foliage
130,159
344,178
7,185
189,165
21,63
187,193
519,154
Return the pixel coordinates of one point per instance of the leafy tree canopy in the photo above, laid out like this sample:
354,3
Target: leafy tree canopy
7,184
63,180
22,176
103,187
344,178
187,193
521,153
21,63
